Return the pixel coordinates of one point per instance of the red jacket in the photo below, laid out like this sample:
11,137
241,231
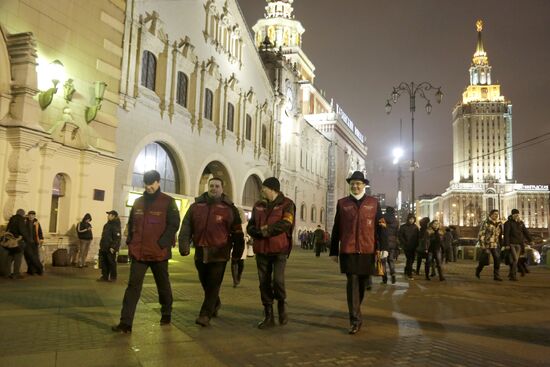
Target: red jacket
152,228
357,225
276,238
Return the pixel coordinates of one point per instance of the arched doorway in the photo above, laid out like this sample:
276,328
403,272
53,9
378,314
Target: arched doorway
252,191
158,157
216,169
60,204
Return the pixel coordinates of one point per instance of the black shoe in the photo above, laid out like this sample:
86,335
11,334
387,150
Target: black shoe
428,278
514,279
477,274
122,328
165,320
203,321
281,308
497,278
441,278
102,279
393,279
354,328
269,320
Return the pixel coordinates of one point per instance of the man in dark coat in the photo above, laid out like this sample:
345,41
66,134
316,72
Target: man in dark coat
18,227
408,239
108,247
152,226
34,266
271,226
515,236
318,240
214,226
355,239
390,245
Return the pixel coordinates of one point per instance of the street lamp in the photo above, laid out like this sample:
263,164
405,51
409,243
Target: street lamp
412,89
397,154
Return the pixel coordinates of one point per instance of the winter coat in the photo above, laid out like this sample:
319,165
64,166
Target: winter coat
489,234
110,237
391,233
408,237
515,232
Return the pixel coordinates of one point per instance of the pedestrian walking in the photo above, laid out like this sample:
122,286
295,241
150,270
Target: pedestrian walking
11,258
214,226
408,239
152,226
355,239
85,237
421,252
434,250
489,239
36,238
271,226
515,236
390,244
448,245
318,240
108,247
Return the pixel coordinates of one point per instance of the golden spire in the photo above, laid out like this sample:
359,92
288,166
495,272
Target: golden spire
480,56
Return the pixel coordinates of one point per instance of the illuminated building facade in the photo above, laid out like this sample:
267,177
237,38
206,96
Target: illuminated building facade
483,158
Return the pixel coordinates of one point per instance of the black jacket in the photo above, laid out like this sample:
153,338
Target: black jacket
391,233
515,232
17,226
110,237
408,236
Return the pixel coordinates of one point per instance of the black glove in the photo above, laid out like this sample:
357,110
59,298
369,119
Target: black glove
255,233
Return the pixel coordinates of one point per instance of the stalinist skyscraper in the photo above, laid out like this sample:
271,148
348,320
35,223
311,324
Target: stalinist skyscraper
483,175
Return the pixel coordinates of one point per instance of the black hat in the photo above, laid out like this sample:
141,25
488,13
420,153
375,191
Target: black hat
31,212
113,212
357,176
151,176
272,183
515,211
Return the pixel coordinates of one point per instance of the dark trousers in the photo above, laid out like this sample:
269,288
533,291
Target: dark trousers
237,267
514,257
9,256
271,273
409,254
135,283
211,277
34,266
455,252
107,264
419,257
389,262
436,257
496,262
355,291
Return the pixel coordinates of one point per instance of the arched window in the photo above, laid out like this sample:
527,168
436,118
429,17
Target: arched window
248,127
230,116
156,156
303,212
264,136
181,94
322,215
313,214
208,103
148,70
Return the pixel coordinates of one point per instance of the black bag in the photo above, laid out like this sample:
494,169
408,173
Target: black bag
122,259
484,257
60,257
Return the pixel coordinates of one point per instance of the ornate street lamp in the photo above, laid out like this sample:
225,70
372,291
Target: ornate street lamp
412,90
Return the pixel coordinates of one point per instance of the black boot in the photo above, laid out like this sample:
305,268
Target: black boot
268,321
281,308
384,279
393,279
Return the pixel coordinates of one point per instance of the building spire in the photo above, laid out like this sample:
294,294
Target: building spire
279,9
480,56
480,70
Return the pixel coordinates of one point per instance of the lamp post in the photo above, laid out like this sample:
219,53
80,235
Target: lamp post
413,89
397,154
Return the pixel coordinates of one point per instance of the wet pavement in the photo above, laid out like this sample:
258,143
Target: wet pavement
64,319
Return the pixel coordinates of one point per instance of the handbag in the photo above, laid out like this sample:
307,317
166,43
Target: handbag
379,266
484,257
8,240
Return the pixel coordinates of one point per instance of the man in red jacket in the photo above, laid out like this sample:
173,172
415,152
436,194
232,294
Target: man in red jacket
152,226
214,226
356,237
271,227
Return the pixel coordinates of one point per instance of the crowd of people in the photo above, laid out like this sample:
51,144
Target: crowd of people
364,242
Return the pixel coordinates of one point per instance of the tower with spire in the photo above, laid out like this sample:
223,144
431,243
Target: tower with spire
279,30
482,126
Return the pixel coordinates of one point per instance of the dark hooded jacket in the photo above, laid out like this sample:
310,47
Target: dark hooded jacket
110,237
408,235
423,236
391,232
515,232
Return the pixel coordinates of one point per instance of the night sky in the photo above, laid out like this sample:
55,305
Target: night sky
362,48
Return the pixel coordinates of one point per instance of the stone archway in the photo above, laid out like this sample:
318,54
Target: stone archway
252,191
216,169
